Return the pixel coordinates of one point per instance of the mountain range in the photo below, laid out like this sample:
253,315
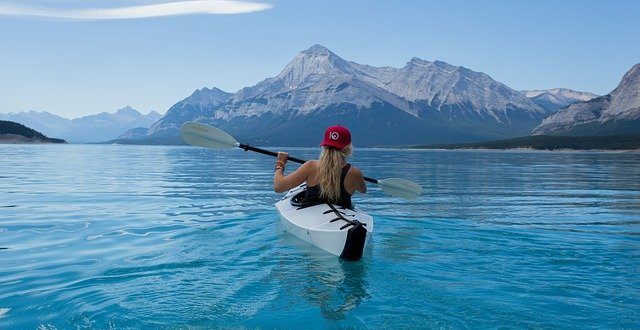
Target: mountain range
88,129
422,102
615,113
557,98
194,107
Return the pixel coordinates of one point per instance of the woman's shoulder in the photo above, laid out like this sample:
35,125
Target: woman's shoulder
310,165
355,171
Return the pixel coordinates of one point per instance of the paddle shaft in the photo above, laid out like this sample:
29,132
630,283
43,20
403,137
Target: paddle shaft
247,147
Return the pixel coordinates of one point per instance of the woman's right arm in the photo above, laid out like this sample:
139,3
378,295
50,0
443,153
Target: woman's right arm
282,183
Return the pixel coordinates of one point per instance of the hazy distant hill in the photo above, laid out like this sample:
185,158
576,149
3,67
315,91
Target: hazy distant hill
421,102
615,113
45,122
12,132
134,133
107,126
93,128
557,98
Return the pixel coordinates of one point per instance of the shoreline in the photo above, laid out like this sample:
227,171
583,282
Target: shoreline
21,139
390,149
531,150
10,138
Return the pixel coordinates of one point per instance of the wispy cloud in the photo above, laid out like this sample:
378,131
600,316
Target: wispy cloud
219,7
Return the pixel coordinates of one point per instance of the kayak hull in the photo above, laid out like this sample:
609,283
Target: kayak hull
317,225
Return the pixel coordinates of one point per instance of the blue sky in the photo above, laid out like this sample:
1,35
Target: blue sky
74,58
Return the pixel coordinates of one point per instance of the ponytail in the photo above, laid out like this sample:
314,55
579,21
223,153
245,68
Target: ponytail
330,168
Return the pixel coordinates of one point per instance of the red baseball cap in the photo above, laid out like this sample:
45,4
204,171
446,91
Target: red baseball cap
336,136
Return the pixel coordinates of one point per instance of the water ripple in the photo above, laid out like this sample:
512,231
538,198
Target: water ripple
179,237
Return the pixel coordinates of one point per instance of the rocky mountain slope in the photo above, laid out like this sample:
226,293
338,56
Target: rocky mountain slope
423,102
195,107
615,113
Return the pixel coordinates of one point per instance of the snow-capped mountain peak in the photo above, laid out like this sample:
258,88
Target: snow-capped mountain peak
561,92
313,62
557,98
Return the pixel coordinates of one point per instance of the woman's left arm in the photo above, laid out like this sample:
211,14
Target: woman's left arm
283,183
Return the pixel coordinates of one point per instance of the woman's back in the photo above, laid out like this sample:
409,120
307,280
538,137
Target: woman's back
351,179
331,176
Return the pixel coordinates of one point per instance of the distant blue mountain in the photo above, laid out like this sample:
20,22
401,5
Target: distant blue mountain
107,126
49,124
88,129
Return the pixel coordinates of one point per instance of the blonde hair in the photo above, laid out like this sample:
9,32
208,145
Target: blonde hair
329,170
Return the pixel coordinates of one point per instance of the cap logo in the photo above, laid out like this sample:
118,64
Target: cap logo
334,136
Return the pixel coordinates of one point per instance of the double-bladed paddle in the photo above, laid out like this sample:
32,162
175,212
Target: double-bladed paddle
206,136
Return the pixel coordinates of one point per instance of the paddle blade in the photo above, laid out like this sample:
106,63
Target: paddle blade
202,135
400,188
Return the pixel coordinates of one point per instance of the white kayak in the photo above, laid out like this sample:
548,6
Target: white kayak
337,230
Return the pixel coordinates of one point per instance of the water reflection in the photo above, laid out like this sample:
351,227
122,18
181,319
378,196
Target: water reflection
337,287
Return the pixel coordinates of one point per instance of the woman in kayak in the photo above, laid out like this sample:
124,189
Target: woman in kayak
330,179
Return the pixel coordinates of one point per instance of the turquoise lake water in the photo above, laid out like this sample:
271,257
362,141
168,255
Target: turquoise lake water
135,237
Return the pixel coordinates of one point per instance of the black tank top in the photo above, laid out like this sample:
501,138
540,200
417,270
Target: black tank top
313,193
